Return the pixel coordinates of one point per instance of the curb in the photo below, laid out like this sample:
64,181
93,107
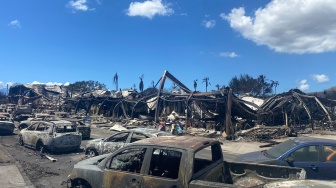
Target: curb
18,165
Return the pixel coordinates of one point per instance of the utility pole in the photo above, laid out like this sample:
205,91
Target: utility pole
207,83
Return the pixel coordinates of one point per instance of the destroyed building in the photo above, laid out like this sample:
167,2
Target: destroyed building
295,108
220,109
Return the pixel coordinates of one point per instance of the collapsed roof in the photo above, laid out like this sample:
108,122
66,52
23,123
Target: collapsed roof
295,107
290,108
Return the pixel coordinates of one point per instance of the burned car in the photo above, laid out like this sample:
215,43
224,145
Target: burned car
38,117
174,161
83,128
7,115
119,140
53,135
6,125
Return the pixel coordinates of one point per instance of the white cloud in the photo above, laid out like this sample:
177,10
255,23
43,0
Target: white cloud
228,54
78,5
4,85
149,9
99,2
320,78
49,83
303,85
15,24
67,84
300,26
209,23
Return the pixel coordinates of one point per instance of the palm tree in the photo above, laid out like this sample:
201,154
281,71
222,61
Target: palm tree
115,80
153,83
275,84
141,84
195,84
218,86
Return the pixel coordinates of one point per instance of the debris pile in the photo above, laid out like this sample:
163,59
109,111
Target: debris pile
260,133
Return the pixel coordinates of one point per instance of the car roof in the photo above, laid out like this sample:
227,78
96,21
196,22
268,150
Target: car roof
146,130
183,142
312,140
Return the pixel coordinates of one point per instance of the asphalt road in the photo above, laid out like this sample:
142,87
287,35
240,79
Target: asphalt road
44,173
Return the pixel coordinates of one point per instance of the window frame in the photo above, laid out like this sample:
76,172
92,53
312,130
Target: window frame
208,167
319,156
108,163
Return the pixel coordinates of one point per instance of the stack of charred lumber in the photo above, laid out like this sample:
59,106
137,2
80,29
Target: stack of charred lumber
260,133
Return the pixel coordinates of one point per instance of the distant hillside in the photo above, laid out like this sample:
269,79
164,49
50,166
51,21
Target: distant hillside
3,90
328,93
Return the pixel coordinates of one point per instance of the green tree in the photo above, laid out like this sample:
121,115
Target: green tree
86,86
247,84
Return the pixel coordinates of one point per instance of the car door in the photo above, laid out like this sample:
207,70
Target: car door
38,133
27,135
125,168
114,142
329,162
308,158
164,168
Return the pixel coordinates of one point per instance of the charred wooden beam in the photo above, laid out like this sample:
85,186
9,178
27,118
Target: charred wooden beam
228,122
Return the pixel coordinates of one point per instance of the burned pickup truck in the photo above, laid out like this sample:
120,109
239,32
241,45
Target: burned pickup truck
188,162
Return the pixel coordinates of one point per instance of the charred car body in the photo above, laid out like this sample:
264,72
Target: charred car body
83,128
120,139
6,125
38,117
52,135
170,161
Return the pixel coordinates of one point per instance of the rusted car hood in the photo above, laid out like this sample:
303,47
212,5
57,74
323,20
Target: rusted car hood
302,184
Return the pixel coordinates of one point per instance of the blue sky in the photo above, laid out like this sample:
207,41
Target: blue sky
62,41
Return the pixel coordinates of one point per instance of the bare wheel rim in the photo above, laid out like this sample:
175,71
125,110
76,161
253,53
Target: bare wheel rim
21,140
92,153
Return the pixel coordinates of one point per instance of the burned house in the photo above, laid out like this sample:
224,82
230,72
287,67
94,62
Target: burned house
220,109
196,108
295,108
39,96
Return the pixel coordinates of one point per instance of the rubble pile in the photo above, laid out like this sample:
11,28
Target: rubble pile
260,133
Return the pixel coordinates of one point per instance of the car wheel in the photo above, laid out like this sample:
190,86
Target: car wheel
92,153
40,147
21,141
81,184
22,126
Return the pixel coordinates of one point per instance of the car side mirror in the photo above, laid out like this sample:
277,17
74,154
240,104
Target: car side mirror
289,160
